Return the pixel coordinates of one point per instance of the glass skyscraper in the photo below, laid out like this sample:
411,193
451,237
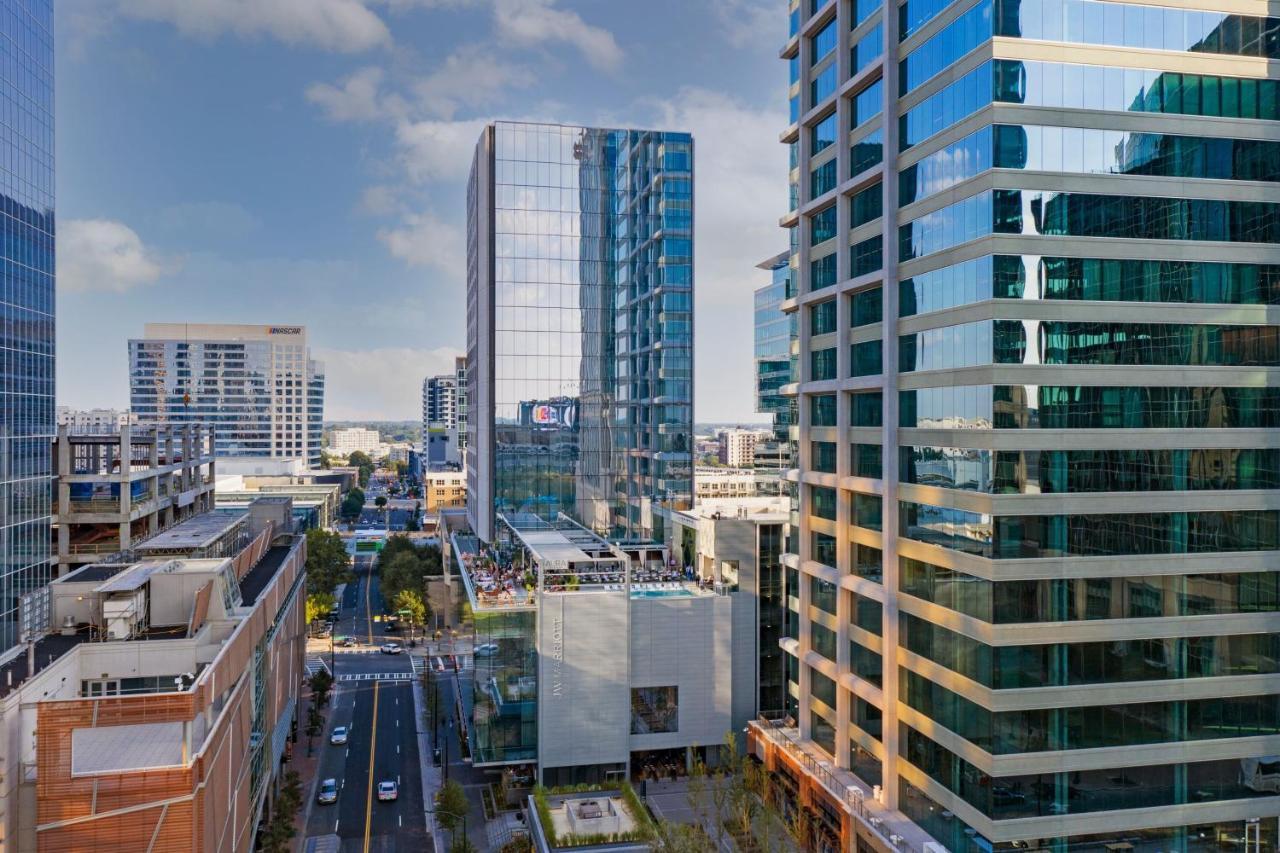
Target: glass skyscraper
27,425
579,327
1036,576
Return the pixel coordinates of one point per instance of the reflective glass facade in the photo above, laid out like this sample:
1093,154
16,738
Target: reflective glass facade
580,278
1039,494
27,299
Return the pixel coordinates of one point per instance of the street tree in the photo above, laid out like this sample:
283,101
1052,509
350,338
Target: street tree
318,605
321,683
328,563
380,501
451,805
361,461
410,602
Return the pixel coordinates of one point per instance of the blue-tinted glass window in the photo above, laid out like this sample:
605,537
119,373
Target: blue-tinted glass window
868,103
822,225
822,85
822,179
823,134
824,42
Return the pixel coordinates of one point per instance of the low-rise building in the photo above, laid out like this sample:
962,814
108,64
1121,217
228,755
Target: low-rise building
158,712
118,486
315,502
443,490
348,440
711,482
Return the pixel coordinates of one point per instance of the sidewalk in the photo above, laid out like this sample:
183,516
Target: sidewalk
431,776
304,766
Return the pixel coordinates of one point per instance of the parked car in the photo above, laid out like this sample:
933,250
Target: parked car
485,650
328,792
391,649
388,790
339,736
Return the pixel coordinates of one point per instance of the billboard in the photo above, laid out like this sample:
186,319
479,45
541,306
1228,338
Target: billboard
558,413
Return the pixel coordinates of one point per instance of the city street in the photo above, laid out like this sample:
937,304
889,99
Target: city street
373,697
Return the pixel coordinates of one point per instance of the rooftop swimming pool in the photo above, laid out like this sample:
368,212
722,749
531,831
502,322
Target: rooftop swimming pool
661,593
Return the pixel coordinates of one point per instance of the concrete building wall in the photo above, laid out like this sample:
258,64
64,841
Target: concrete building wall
685,643
584,703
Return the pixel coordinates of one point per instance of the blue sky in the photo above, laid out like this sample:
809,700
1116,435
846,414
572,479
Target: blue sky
304,162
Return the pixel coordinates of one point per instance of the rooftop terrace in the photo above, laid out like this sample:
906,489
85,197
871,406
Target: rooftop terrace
562,557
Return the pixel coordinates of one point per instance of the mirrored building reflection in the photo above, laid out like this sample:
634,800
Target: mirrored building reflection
27,423
579,315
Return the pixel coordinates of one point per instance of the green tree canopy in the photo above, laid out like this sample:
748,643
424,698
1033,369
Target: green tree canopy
402,566
380,501
361,460
411,601
318,604
451,805
328,563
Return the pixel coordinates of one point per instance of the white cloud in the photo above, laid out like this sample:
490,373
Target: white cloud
437,149
104,255
347,26
751,24
538,22
471,76
381,383
426,240
379,200
357,98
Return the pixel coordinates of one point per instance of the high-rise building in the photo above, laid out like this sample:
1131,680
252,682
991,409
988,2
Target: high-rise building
257,387
776,342
579,326
27,423
460,382
440,401
1039,519
738,447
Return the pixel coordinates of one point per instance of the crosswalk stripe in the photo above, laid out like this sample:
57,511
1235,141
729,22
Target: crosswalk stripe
377,676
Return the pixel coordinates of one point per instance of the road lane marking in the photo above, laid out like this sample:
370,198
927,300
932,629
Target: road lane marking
373,751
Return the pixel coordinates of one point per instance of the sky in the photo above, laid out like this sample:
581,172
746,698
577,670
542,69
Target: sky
304,162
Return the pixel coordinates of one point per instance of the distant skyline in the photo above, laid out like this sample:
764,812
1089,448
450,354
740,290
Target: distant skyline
278,162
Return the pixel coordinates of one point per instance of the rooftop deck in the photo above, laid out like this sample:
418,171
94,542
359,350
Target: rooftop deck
562,557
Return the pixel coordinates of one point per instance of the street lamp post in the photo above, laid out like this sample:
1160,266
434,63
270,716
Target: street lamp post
463,816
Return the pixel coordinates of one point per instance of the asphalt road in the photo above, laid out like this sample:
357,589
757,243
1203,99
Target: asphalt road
374,698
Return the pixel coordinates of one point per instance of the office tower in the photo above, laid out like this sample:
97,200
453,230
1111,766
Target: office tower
27,424
1036,563
256,386
579,326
